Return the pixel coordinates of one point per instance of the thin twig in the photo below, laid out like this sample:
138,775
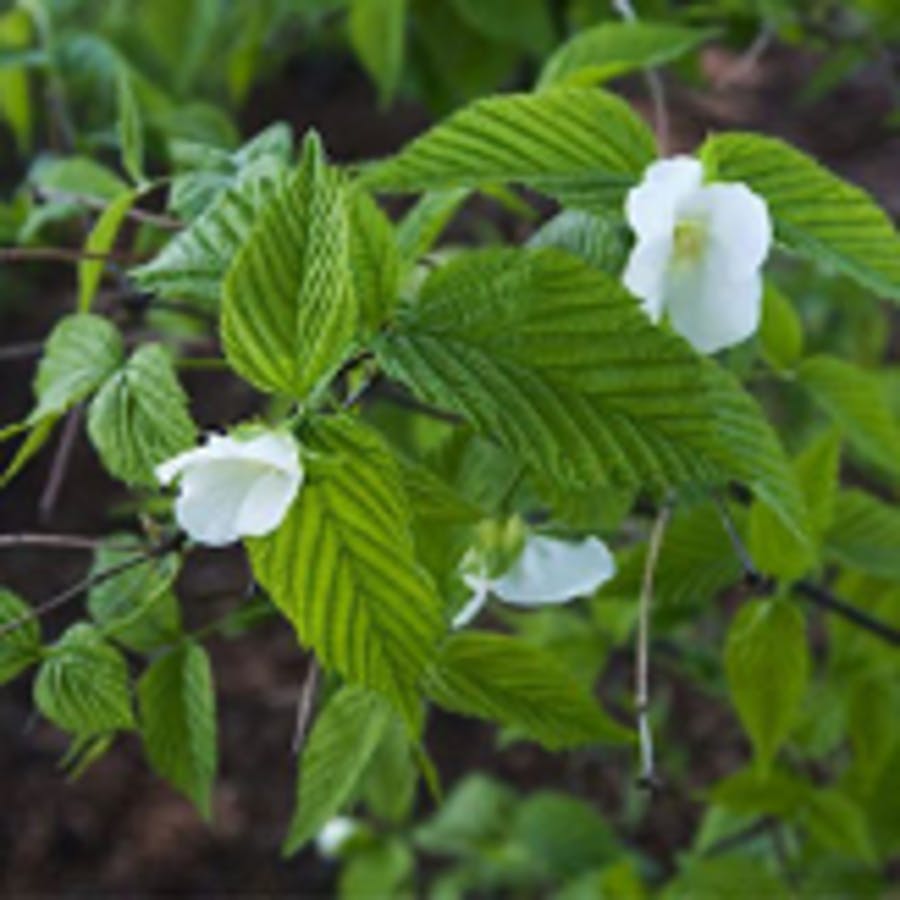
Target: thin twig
76,590
62,254
655,85
748,59
816,594
60,464
648,777
305,703
167,223
56,541
25,350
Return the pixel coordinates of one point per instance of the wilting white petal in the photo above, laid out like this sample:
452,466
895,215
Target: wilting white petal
712,311
653,206
481,587
234,488
555,571
645,274
335,833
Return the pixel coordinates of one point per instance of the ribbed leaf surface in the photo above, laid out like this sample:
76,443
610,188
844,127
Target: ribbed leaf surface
557,363
497,677
140,418
192,265
865,535
342,568
83,685
816,213
21,646
340,747
178,721
584,146
290,310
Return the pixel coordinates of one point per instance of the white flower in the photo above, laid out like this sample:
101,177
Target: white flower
548,571
335,833
232,488
699,251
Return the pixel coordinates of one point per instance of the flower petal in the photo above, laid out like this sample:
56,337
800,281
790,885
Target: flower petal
555,571
267,501
740,228
480,589
652,207
711,309
646,271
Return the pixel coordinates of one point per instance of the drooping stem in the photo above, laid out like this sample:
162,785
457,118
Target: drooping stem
648,777
60,464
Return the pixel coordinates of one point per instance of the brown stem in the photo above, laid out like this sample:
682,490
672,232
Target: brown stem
62,254
60,465
305,704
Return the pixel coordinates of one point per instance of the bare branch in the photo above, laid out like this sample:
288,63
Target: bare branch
305,703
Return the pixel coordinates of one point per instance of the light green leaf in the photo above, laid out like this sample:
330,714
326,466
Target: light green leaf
340,746
79,176
15,93
389,782
37,437
289,309
522,23
374,259
81,353
137,607
20,647
816,214
342,568
100,241
556,362
781,330
767,664
601,242
131,130
140,418
872,725
420,228
583,146
855,400
82,685
616,48
382,869
774,549
378,36
177,706
501,678
194,262
865,535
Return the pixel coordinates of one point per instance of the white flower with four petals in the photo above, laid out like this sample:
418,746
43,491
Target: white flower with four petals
698,254
232,488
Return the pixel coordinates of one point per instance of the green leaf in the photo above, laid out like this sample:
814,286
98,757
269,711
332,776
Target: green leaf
100,241
781,330
340,746
342,568
856,401
774,549
600,241
131,130
374,259
721,877
872,725
583,146
378,37
137,607
379,870
16,107
37,437
192,265
420,228
289,311
816,214
501,678
390,779
839,825
556,362
771,793
20,647
616,48
140,418
177,706
767,664
79,176
522,23
82,685
81,353
865,535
